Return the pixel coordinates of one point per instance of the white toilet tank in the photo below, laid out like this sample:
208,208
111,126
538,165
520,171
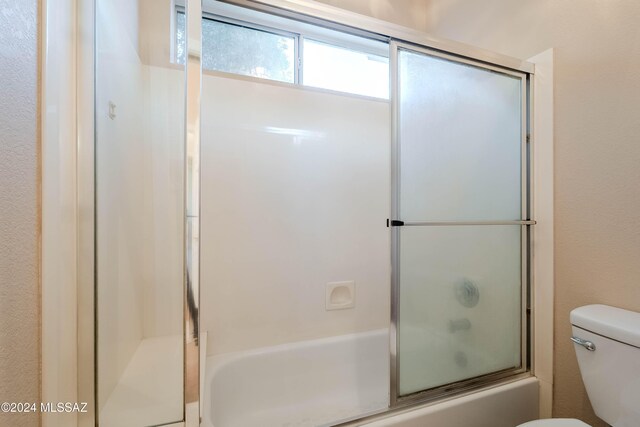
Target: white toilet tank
608,351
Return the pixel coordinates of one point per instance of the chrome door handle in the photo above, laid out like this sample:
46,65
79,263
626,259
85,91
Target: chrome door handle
584,343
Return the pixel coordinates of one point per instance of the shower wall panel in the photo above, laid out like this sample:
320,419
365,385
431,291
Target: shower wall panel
295,194
163,315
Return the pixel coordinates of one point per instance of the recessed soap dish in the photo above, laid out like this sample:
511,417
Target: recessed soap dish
340,295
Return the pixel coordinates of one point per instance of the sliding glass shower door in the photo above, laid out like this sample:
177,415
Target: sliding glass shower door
460,210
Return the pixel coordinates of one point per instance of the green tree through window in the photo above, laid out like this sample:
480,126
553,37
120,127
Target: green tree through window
236,49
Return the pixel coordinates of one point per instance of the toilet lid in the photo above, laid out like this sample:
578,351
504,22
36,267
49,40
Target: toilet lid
555,422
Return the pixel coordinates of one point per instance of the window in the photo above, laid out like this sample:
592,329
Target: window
289,51
242,50
333,67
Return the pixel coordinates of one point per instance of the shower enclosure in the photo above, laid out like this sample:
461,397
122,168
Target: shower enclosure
302,216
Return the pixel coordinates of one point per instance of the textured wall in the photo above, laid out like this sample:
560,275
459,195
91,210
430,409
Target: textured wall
597,196
19,198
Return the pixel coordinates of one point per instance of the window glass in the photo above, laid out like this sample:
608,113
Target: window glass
333,67
241,49
181,37
236,49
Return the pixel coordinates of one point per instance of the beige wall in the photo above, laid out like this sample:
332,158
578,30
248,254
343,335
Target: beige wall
409,13
597,155
19,200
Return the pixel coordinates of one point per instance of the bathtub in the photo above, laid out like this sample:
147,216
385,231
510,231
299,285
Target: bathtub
325,381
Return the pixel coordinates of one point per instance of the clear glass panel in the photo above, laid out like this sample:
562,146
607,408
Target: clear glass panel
460,297
334,67
294,186
242,50
140,111
460,138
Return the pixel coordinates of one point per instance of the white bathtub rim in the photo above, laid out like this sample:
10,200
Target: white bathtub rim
218,364
218,361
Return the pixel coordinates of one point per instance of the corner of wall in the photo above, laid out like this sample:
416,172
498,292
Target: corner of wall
58,204
543,239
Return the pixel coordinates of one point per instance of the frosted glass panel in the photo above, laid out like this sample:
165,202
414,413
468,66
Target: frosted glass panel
460,141
460,303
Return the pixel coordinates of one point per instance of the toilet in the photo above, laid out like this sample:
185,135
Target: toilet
607,344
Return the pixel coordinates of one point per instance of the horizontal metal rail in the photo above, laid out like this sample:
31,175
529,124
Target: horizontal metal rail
397,223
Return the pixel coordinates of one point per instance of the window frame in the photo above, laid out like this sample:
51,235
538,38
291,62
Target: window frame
251,26
264,29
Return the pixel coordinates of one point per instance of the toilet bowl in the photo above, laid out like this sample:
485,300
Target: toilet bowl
607,345
556,422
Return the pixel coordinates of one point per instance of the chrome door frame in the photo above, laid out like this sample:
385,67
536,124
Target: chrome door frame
191,186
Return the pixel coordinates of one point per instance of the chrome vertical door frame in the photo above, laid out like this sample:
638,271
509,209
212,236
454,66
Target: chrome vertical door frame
87,325
394,343
193,83
525,221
